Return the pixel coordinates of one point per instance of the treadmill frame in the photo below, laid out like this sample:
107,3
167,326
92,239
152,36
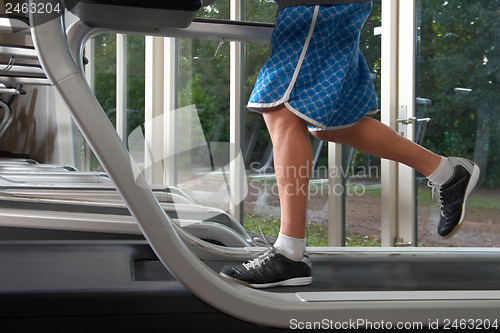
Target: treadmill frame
261,307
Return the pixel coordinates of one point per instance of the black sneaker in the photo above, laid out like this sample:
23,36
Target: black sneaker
270,269
453,194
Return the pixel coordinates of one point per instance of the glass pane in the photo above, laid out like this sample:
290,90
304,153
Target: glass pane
261,204
457,86
105,72
261,207
203,122
254,10
135,81
105,80
259,11
217,10
363,187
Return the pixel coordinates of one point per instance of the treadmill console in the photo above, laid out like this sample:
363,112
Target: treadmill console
132,15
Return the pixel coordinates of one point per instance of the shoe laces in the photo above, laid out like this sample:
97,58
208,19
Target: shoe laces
264,256
260,260
437,194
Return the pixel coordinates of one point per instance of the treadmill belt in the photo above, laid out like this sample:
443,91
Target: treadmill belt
378,273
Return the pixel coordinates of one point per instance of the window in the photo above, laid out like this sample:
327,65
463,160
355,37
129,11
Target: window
457,86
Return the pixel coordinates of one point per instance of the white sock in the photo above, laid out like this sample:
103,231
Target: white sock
293,248
443,172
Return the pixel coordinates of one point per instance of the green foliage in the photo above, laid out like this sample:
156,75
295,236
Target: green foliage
316,235
207,84
217,10
370,44
105,77
458,49
259,11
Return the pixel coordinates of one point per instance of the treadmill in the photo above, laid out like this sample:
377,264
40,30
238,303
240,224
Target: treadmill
172,281
49,201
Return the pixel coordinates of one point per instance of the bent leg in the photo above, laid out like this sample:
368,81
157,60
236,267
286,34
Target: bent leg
375,138
292,152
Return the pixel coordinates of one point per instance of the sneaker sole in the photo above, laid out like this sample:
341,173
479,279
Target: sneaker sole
472,183
303,281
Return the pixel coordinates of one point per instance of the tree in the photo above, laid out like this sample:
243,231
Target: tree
458,49
105,77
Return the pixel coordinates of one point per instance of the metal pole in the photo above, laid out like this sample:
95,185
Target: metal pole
121,86
237,168
389,107
336,196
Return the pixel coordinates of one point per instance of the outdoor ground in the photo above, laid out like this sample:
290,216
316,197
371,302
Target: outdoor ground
481,227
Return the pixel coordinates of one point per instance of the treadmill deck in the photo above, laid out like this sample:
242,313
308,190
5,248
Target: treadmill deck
83,284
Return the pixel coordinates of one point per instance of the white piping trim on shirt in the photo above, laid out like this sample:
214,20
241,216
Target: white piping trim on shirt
286,96
332,128
302,55
311,121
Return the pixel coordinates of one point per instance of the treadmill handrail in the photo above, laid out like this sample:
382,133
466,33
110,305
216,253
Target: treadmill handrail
18,51
6,184
22,70
14,25
35,81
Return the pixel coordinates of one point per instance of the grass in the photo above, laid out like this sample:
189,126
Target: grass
316,235
483,202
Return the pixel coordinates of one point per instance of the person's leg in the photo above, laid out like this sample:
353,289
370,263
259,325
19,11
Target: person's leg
292,153
452,179
286,263
375,138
